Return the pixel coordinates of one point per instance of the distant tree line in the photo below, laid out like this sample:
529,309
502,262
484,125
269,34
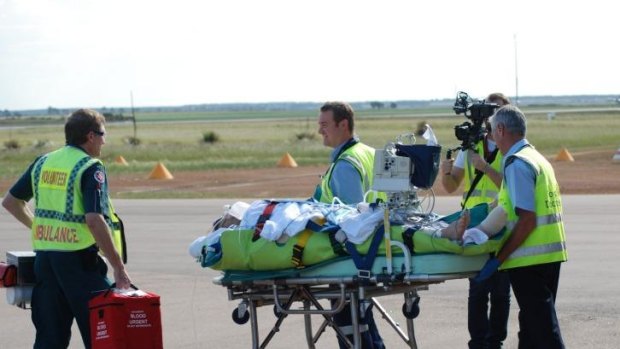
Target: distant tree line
56,111
381,105
116,117
7,113
313,106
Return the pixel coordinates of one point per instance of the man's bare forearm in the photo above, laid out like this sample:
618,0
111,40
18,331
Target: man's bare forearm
19,209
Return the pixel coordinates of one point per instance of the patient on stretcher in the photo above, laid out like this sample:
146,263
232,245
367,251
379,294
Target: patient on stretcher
355,225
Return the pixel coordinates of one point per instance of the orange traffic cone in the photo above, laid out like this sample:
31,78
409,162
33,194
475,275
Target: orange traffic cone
564,155
160,172
121,160
287,161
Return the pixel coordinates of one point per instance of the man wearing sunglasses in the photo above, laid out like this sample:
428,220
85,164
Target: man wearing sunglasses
73,220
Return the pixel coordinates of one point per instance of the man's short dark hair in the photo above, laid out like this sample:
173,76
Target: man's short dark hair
80,123
341,111
498,97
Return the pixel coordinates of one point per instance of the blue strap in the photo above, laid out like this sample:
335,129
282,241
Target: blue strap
314,226
318,228
331,230
364,263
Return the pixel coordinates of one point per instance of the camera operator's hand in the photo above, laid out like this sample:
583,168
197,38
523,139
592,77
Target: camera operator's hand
451,176
446,166
479,163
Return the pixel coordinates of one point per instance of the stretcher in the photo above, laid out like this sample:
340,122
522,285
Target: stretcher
396,259
359,281
340,281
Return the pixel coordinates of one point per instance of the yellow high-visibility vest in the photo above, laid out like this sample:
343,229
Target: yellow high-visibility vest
362,158
547,242
485,191
59,219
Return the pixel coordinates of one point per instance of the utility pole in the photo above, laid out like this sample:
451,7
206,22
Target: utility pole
133,118
516,73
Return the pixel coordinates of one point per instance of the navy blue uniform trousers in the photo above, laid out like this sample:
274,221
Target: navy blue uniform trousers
65,282
535,288
370,339
488,329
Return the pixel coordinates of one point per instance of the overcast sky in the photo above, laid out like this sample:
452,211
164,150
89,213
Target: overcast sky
86,53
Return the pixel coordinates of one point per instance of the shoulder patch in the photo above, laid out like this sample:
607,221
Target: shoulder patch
99,176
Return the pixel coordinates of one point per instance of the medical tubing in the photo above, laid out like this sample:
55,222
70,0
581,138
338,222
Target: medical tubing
336,200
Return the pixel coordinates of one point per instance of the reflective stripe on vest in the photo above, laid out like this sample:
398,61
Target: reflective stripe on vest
546,243
488,194
542,220
486,191
538,250
61,216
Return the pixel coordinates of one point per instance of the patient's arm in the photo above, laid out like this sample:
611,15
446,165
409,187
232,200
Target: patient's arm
494,222
491,225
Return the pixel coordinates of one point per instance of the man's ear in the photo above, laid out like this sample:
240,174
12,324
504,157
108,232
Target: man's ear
90,136
344,124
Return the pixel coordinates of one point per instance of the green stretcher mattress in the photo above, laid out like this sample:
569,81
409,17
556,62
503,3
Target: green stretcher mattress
237,251
423,267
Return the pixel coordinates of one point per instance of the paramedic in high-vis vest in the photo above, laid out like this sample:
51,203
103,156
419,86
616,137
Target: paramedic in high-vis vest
73,220
535,246
348,178
487,328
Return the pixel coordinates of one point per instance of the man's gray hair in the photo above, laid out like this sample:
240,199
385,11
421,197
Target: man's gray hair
512,118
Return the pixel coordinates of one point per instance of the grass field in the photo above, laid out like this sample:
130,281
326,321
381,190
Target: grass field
259,139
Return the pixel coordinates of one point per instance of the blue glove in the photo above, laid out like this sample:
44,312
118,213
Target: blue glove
490,267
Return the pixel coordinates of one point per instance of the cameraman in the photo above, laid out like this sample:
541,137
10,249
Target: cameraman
486,331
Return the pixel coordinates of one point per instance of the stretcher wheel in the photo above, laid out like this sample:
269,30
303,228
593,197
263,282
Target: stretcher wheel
414,311
240,319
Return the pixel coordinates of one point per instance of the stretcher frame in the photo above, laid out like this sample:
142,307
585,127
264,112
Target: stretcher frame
360,288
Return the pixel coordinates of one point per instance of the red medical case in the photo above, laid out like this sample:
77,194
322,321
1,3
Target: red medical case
125,320
8,275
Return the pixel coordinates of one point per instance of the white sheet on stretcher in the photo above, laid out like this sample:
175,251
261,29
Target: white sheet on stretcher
290,218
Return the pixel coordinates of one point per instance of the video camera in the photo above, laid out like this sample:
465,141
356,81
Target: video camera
471,133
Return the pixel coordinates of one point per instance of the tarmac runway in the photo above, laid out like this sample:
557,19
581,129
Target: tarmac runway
197,314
